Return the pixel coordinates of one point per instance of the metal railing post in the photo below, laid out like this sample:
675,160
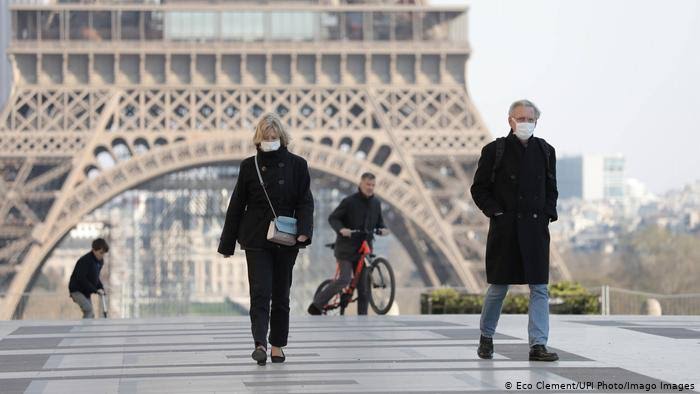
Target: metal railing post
605,300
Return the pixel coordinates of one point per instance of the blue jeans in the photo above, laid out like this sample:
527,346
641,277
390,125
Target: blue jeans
538,312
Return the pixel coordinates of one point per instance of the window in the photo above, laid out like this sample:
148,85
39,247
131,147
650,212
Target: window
189,25
50,22
102,24
456,23
403,26
354,28
243,26
381,26
330,26
296,26
130,25
79,23
153,25
26,28
432,30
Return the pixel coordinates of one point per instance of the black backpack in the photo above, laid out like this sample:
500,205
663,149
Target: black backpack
501,147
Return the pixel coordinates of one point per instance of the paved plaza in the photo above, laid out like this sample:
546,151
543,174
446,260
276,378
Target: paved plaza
403,354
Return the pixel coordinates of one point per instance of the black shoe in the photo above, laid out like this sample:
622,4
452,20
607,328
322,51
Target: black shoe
313,310
279,359
540,353
485,350
260,355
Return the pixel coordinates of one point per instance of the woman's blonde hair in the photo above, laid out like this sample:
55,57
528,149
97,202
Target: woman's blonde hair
271,122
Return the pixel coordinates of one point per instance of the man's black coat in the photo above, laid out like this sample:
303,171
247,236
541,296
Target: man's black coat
525,192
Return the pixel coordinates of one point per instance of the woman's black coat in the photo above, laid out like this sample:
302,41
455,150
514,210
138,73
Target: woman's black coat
517,248
248,217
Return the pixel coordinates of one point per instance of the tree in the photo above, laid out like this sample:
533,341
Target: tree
656,260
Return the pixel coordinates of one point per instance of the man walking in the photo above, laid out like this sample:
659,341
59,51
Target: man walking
85,279
515,185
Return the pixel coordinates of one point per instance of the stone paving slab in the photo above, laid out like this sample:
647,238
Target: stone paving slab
377,354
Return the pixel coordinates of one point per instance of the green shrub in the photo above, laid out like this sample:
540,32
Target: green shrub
564,298
573,299
516,303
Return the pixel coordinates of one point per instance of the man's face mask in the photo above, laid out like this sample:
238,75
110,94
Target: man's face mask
524,130
269,146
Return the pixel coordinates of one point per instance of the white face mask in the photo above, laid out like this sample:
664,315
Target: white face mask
269,146
524,130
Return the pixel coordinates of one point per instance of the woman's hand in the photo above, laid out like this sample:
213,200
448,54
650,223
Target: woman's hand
302,238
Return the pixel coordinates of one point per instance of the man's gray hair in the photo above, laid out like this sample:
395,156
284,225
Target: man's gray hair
524,103
368,175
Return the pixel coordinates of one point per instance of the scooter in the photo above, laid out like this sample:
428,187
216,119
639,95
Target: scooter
103,298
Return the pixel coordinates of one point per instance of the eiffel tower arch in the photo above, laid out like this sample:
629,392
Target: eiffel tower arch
108,97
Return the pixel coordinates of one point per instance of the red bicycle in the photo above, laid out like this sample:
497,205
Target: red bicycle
381,285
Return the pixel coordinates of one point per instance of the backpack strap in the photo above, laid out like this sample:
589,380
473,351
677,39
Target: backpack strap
500,148
544,146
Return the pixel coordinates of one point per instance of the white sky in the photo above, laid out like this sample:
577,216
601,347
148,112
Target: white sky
610,76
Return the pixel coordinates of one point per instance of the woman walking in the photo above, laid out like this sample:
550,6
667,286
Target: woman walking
271,216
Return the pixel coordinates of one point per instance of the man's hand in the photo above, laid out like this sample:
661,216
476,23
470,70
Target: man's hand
302,238
101,291
345,232
384,231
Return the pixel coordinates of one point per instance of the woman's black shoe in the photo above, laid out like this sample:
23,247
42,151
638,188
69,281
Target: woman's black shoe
279,359
260,355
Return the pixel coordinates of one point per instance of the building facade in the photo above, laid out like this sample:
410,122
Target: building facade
591,177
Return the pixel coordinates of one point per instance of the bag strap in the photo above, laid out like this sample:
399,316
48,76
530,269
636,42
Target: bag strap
500,148
263,186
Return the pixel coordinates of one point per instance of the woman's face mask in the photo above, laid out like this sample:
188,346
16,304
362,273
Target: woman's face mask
269,146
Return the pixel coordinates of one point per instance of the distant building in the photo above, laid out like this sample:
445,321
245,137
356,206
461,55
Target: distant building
591,177
637,191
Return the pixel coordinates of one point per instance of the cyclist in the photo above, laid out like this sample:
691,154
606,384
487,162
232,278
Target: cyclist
359,211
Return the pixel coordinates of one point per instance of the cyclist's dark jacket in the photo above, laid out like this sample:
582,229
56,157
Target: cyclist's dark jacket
356,212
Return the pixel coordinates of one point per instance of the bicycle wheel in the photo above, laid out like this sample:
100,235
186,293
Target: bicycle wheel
322,286
381,286
330,311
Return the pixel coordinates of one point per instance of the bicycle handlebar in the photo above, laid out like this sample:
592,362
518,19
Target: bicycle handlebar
357,232
375,231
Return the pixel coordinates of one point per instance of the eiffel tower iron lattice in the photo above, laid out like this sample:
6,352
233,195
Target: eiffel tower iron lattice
89,119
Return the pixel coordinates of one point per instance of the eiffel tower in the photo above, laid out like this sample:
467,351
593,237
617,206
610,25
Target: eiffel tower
108,95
